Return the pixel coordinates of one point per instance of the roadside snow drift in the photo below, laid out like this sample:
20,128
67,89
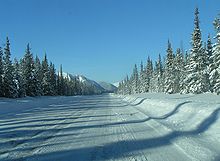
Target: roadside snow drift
111,127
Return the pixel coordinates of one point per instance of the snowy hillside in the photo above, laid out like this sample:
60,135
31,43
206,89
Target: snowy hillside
153,127
89,82
102,87
108,87
116,84
66,75
86,82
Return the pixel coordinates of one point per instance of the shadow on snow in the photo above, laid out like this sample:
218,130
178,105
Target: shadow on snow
113,150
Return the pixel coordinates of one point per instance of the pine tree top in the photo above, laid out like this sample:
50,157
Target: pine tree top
196,20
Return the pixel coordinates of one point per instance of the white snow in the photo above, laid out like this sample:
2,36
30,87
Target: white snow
111,127
65,75
116,84
81,79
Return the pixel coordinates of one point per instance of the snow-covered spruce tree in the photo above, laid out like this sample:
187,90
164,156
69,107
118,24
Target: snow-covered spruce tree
124,87
209,50
169,71
46,77
120,88
179,71
142,78
28,72
211,64
127,86
157,76
153,79
160,73
52,72
67,89
187,56
66,86
39,76
149,84
1,72
197,80
60,83
215,75
183,85
9,86
19,81
135,81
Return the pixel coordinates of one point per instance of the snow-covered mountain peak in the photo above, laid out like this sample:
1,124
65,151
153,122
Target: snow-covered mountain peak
116,84
82,79
101,87
66,75
108,87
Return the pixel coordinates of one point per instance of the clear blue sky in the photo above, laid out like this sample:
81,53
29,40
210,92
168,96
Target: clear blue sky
102,39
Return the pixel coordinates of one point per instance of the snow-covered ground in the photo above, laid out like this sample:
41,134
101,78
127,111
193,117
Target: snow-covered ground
111,127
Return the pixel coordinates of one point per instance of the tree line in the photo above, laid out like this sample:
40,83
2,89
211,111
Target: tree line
30,76
197,71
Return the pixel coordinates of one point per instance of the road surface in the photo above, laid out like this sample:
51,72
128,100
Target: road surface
86,128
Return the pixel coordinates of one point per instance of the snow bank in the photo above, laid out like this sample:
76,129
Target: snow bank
181,112
195,119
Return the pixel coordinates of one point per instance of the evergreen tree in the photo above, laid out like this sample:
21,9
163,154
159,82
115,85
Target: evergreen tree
179,72
127,85
186,60
39,76
66,86
156,76
135,80
120,88
159,75
169,71
1,73
197,80
142,78
46,77
62,85
153,86
209,50
19,81
215,75
29,76
52,72
58,84
211,64
149,75
9,86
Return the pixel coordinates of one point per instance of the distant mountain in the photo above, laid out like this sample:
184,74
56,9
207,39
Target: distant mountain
108,87
91,86
116,84
88,85
66,75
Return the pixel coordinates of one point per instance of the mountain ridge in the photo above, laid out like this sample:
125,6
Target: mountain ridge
98,86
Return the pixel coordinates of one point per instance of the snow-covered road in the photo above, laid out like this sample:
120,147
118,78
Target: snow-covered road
108,127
